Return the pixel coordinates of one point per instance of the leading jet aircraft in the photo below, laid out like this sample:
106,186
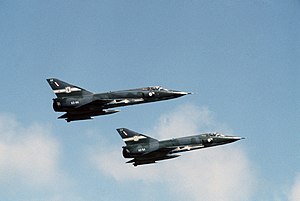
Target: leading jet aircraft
81,104
145,150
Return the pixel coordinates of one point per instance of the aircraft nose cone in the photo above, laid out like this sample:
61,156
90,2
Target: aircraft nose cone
180,93
233,139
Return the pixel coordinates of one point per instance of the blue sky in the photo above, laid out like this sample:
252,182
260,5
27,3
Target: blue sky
240,58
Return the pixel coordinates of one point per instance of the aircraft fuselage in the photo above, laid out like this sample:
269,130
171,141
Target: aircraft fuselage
145,150
80,104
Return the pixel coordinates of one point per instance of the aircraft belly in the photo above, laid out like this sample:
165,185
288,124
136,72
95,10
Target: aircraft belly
148,160
85,115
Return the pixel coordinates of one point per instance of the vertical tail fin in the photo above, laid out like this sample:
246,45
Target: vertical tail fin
63,89
131,137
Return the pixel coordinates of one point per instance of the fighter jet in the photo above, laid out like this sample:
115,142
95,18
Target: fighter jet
81,104
145,150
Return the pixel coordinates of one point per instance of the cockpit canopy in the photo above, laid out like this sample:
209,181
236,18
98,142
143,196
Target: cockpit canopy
155,88
215,134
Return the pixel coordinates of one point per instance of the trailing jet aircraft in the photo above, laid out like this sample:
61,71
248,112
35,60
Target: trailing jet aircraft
80,104
145,150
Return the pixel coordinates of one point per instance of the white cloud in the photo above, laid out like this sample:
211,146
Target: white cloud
214,174
187,120
27,154
30,166
220,173
295,191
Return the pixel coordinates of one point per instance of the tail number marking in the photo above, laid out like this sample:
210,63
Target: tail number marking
75,102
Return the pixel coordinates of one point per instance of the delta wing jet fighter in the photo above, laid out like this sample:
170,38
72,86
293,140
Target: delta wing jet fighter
80,104
145,150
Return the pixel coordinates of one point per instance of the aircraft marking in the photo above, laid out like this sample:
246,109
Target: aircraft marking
66,90
134,138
